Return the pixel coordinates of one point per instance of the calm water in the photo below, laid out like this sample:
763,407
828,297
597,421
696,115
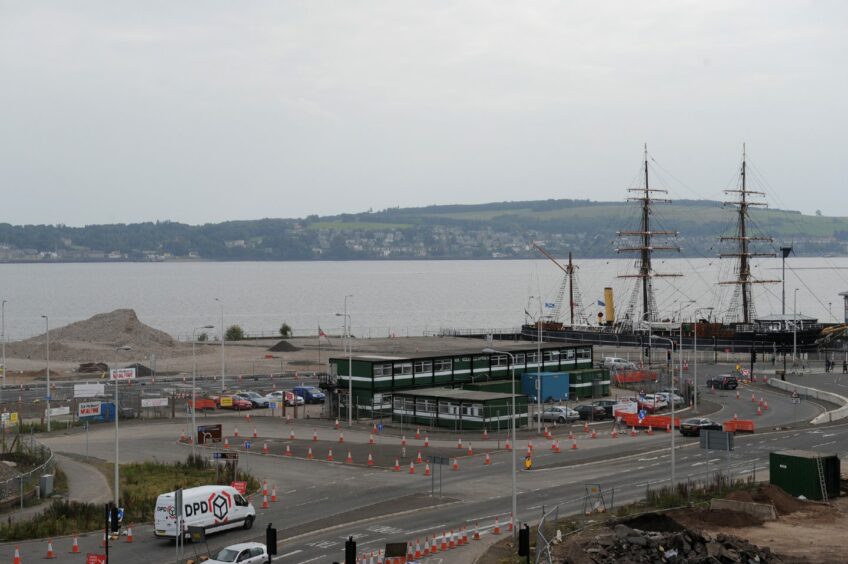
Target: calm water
406,297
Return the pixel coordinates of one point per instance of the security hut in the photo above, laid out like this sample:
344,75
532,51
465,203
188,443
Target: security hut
458,409
805,472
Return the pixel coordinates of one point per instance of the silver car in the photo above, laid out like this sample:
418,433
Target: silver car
559,414
243,553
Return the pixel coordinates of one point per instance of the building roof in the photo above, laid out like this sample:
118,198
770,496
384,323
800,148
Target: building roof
454,393
843,294
810,454
511,347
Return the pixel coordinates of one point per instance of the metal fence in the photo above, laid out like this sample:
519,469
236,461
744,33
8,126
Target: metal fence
14,491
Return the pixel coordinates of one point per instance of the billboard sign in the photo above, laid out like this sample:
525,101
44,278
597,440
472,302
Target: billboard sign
88,408
122,373
88,390
154,402
56,411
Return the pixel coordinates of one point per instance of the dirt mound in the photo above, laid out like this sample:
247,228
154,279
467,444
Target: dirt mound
700,518
657,522
284,346
117,328
767,493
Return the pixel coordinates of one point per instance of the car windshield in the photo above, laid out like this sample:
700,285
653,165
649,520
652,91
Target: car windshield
227,555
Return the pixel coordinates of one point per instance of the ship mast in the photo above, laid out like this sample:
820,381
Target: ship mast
575,301
743,253
646,246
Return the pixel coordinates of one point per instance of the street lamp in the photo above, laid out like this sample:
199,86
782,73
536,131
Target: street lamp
193,384
695,378
223,387
3,323
117,435
671,342
539,366
47,336
794,326
513,449
349,361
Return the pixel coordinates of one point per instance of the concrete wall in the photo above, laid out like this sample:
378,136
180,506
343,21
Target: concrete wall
826,417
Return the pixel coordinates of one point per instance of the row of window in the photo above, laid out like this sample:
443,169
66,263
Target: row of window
446,364
427,406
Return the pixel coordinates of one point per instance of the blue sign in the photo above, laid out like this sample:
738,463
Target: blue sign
379,427
273,405
120,514
642,414
247,445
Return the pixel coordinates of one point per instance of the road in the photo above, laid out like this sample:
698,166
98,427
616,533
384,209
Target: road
321,503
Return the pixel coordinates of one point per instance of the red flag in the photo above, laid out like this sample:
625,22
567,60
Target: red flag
323,335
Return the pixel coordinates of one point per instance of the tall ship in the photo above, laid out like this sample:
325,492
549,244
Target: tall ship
737,328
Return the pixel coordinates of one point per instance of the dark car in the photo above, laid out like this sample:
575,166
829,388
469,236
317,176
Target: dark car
591,412
692,427
723,382
607,405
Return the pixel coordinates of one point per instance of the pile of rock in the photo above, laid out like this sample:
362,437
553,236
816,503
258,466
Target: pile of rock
624,544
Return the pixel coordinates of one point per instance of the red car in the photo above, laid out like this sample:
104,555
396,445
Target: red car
233,402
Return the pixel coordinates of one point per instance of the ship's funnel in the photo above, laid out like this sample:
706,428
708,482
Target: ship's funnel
610,305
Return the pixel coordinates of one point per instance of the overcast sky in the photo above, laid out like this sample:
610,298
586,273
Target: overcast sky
202,111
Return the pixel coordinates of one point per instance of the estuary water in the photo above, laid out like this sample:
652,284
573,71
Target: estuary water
388,297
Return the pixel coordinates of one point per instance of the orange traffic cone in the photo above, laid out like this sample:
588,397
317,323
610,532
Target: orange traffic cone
264,448
337,424
737,394
291,435
753,399
594,434
470,451
508,445
235,434
309,455
759,410
274,494
370,460
254,433
497,529
570,435
426,442
418,432
50,553
75,547
427,469
403,440
265,502
17,559
452,540
585,426
397,465
556,446
455,464
633,431
288,450
485,434
330,455
530,446
226,442
417,554
314,435
765,405
371,439
411,467
735,416
444,545
341,436
650,430
511,522
464,538
459,443
488,459
574,444
476,535
265,487
129,533
349,459
418,459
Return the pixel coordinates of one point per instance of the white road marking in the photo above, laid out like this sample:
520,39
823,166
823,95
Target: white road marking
823,444
441,526
651,458
313,559
286,555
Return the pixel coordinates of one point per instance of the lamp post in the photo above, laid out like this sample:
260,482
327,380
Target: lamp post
223,385
3,323
513,449
117,435
349,361
539,367
673,462
695,377
680,345
794,327
47,356
193,388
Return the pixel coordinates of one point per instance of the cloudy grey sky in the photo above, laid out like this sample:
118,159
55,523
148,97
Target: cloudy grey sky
199,111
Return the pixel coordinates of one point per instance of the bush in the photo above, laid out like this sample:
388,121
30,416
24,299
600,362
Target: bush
61,517
285,330
234,333
203,337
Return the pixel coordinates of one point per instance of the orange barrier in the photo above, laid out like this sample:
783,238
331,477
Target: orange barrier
659,421
635,376
739,426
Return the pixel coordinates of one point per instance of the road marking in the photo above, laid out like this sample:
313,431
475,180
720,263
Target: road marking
372,540
441,526
286,555
290,492
823,444
313,559
652,458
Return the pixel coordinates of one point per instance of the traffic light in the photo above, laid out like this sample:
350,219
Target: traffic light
271,540
114,522
753,356
350,551
524,540
646,352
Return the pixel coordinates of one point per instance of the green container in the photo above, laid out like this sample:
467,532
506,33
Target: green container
796,472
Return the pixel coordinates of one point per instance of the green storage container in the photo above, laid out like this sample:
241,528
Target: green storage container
797,473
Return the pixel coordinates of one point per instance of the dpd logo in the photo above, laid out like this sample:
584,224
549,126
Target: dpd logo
220,504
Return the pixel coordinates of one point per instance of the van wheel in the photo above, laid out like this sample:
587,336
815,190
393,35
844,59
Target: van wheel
248,523
561,420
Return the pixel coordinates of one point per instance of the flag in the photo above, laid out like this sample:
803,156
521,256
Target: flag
550,305
323,335
601,303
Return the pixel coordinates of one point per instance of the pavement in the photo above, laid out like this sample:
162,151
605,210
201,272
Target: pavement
86,483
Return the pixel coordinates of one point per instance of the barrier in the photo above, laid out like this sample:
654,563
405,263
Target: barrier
635,377
739,426
826,417
659,421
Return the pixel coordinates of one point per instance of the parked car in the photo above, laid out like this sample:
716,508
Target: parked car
559,414
692,427
607,405
679,401
652,403
310,394
243,553
723,382
614,364
591,412
237,402
255,399
290,398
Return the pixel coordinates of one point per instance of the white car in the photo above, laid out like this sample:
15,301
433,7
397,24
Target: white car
559,414
678,400
615,364
654,402
291,398
243,553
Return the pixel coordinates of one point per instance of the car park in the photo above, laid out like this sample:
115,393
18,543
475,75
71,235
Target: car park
310,394
723,382
256,400
692,427
559,414
591,412
243,553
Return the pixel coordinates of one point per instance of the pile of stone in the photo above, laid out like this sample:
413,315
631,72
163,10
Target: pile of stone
626,545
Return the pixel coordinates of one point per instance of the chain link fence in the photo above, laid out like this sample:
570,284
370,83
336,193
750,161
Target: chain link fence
16,490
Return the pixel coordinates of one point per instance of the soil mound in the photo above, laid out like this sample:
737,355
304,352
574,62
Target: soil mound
117,328
700,518
768,493
657,522
284,346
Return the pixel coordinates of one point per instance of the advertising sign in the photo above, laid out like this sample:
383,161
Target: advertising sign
226,401
88,408
9,419
122,373
56,411
88,390
241,487
154,402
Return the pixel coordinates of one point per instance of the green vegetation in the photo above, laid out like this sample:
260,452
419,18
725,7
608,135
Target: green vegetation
285,330
234,333
61,517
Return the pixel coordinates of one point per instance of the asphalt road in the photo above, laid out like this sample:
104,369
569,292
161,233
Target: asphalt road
321,504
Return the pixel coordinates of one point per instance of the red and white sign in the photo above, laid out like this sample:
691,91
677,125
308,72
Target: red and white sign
122,374
92,558
241,487
88,408
154,402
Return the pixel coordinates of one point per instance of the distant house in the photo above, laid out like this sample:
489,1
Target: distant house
235,243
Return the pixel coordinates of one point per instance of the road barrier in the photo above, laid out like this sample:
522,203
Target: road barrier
739,425
826,417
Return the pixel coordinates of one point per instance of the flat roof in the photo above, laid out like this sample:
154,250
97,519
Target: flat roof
797,453
454,393
511,347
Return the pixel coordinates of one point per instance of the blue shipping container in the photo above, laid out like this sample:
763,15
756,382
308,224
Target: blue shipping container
554,385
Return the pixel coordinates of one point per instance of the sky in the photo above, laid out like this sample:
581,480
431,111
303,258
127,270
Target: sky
204,111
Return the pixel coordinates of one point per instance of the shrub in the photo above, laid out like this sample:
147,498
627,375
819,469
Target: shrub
234,333
285,330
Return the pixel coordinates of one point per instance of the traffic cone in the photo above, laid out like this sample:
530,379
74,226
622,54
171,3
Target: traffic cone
511,522
737,394
50,549
75,547
497,529
254,433
426,442
374,429
274,494
476,535
570,436
508,445
633,431
547,433
459,443
427,469
529,451
314,435
226,442
337,425
530,446
585,426
291,435
444,545
434,545
765,405
417,549
235,433
470,451
485,434
594,434
753,399
309,455
464,538
371,439
411,467
456,464
129,533
264,448
735,416
396,467
247,418
452,540
330,455
574,444
426,550
650,430
759,410
403,440
418,459
370,460
341,436
17,559
488,459
288,450
349,459
265,487
265,501
556,444
418,432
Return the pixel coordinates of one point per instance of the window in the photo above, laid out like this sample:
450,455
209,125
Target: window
404,405
257,551
423,367
568,354
240,501
449,408
471,409
382,370
425,406
404,368
519,358
583,354
532,358
547,356
443,365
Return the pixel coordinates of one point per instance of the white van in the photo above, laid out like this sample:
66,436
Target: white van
215,508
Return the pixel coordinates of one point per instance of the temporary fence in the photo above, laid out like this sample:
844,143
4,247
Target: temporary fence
16,490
